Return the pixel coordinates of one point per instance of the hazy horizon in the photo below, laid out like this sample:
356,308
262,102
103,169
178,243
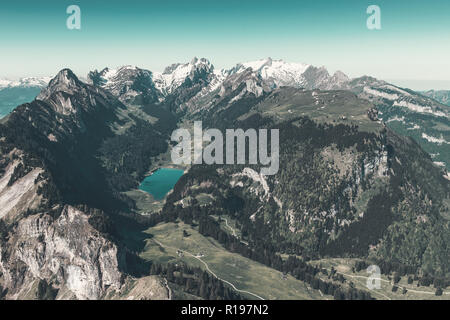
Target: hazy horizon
413,84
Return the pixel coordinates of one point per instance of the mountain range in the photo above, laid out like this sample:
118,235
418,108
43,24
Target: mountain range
410,113
352,185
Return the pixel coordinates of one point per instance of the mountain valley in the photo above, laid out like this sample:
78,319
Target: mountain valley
363,177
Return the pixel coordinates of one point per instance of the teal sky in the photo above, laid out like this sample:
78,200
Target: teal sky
413,45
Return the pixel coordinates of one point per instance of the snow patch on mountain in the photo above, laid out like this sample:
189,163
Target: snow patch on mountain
419,108
396,118
439,164
385,95
176,74
432,139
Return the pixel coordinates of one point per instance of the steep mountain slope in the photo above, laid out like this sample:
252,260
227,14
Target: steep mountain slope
56,198
43,240
53,249
411,114
443,96
346,186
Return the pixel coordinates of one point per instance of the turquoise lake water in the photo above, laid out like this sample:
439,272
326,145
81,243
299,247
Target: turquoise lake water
161,182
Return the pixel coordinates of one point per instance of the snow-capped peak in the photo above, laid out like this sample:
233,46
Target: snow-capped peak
108,74
64,81
27,82
277,73
176,74
269,67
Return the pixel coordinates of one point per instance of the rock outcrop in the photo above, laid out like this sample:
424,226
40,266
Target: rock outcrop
65,250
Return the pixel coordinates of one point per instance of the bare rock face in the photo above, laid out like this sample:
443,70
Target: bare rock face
64,251
145,288
21,195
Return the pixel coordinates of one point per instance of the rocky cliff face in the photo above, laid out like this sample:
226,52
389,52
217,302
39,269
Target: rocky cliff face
44,241
130,84
65,251
18,194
